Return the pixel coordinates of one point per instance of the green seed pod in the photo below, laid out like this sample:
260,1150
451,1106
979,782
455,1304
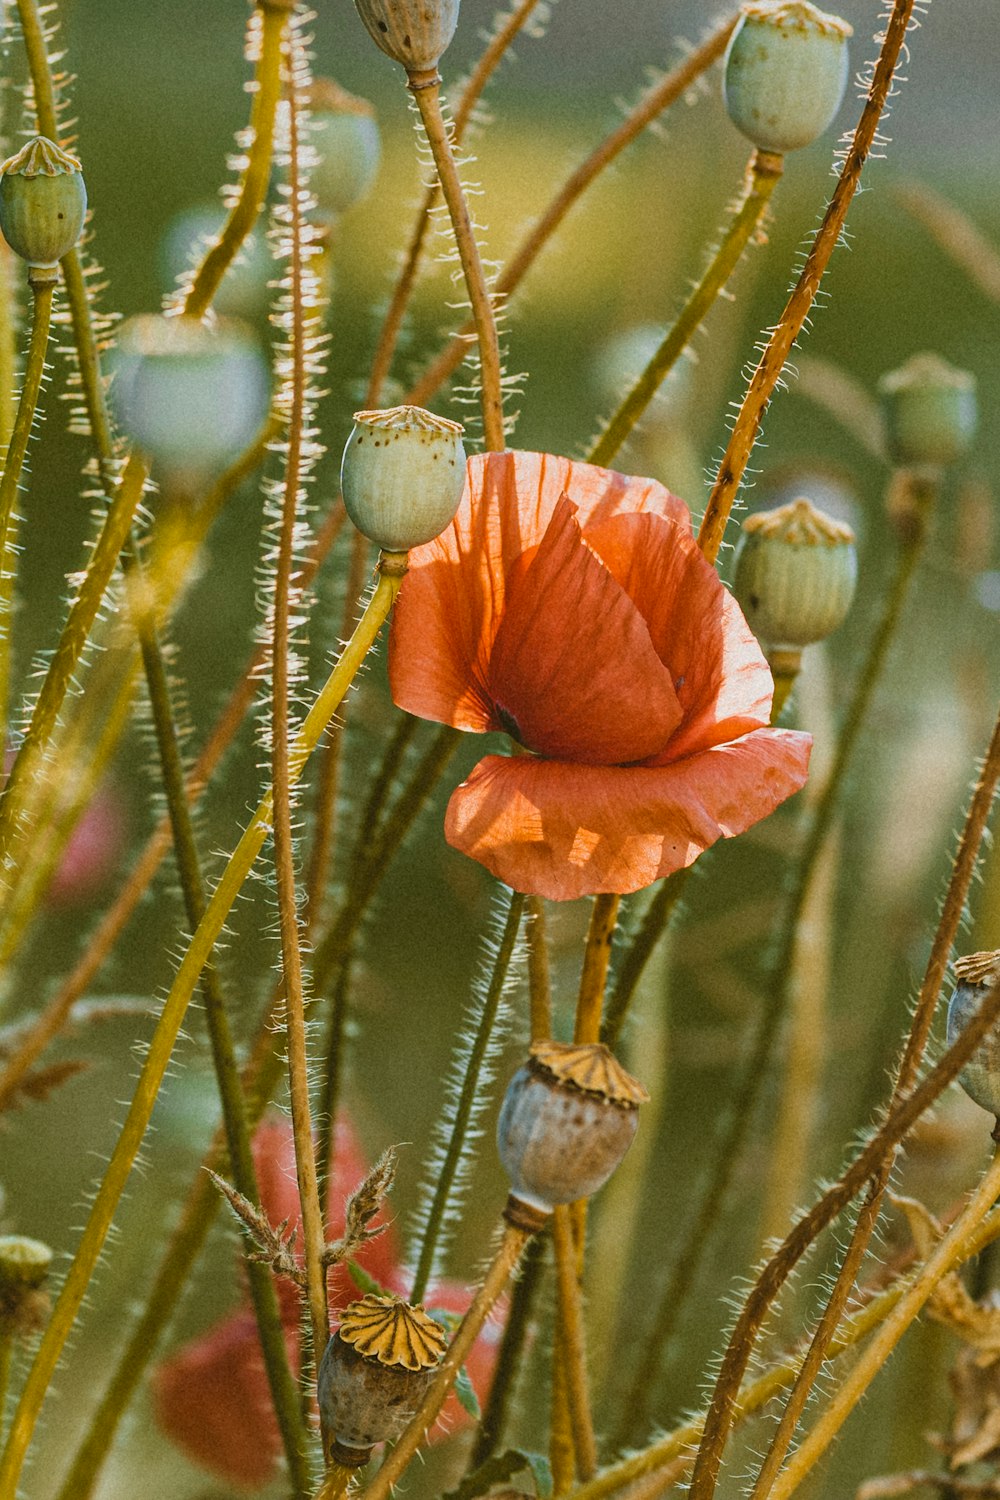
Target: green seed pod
785,72
24,1265
795,574
189,395
402,475
413,32
930,412
244,292
345,138
568,1117
374,1373
43,203
980,1078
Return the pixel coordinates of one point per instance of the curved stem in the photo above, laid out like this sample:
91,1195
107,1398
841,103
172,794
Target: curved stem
392,324
427,93
763,172
503,1263
781,342
253,188
158,1057
952,1249
467,1098
659,98
512,1344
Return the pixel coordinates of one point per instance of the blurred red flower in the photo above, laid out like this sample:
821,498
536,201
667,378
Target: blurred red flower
570,607
212,1397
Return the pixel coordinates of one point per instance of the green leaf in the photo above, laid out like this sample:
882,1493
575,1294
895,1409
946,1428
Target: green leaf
465,1391
541,1472
500,1469
368,1284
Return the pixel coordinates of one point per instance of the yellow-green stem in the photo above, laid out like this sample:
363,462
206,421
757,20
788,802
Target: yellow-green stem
539,978
42,289
763,172
596,960
8,413
427,92
253,187
99,1221
571,1349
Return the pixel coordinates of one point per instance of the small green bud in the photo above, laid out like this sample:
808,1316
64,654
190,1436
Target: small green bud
402,475
795,574
413,32
374,1373
189,395
345,138
567,1119
24,1265
930,412
980,1078
785,72
43,203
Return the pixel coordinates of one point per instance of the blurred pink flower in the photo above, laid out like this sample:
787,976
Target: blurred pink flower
212,1398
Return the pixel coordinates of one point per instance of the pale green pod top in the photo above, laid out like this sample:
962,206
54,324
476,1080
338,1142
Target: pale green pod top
344,137
43,202
412,32
930,412
402,475
785,72
795,574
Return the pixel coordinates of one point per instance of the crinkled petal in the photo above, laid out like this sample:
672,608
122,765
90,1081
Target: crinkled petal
561,691
559,830
453,598
721,678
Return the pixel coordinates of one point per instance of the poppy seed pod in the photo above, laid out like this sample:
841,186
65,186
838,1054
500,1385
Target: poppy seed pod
402,475
568,1117
413,32
930,412
795,574
785,72
345,138
24,1265
373,1374
980,1078
189,395
43,203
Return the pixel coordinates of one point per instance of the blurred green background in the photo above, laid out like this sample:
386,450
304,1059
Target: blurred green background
159,96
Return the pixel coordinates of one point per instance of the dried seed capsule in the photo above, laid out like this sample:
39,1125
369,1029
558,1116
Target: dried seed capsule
43,202
189,395
795,574
980,1078
24,1265
402,475
345,138
373,1374
785,72
568,1117
413,32
930,412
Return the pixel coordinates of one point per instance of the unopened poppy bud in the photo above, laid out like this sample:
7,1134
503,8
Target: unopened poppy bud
24,1265
785,72
980,1078
374,1373
568,1117
402,475
43,203
190,396
930,412
345,138
795,574
413,32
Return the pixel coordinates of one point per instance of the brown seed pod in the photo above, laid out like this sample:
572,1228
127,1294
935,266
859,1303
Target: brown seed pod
568,1117
413,32
980,1078
373,1374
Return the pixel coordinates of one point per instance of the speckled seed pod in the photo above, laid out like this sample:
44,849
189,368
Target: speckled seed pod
24,1265
568,1117
930,412
190,396
980,1078
795,574
402,475
345,138
43,203
413,32
785,72
373,1374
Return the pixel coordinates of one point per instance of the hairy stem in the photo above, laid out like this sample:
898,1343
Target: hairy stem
512,1345
571,1347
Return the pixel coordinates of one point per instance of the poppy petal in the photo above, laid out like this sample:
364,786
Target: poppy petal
562,831
453,598
721,677
559,689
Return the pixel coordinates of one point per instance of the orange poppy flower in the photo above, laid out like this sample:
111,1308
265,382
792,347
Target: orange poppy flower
570,607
